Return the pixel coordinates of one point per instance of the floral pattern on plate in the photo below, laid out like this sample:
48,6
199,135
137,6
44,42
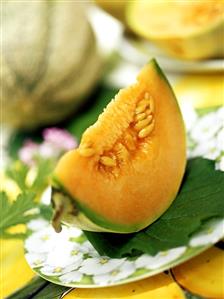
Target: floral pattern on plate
69,259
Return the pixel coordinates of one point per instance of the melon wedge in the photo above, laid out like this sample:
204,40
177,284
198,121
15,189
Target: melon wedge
129,165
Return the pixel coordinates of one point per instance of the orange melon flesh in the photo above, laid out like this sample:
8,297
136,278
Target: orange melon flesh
178,18
203,275
184,29
126,172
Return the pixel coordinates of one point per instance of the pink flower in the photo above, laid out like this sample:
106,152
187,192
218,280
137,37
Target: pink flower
59,138
28,152
56,142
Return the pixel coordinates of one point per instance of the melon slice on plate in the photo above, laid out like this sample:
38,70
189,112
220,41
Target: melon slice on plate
129,165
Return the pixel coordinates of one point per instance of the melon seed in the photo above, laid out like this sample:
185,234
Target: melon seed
146,95
146,131
107,161
148,111
141,108
144,102
143,123
152,105
140,116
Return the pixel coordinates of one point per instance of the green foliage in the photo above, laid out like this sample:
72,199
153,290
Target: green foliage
39,288
18,172
19,211
200,198
16,212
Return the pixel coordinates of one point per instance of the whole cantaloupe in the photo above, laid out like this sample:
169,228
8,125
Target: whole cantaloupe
50,61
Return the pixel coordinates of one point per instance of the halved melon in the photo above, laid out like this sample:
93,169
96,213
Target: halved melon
203,275
185,29
160,286
129,165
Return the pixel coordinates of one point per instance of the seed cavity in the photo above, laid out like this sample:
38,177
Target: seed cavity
147,130
107,161
132,139
130,142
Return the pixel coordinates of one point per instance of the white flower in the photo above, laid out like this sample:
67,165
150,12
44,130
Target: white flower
46,196
117,274
37,224
64,254
220,164
159,260
58,270
99,265
220,140
74,232
206,127
220,114
212,232
73,276
35,259
206,149
189,114
41,241
88,247
47,239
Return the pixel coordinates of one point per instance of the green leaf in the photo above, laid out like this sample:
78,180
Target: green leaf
200,198
46,211
16,212
30,289
51,291
38,288
44,170
18,171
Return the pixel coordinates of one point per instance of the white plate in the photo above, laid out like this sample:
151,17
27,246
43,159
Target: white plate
140,52
69,259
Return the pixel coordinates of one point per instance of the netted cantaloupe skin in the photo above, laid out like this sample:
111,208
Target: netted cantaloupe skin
50,61
183,29
130,163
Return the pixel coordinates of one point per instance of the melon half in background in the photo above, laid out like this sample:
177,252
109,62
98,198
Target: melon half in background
184,29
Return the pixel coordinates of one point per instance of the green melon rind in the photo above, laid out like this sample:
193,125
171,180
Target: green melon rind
87,219
164,78
201,44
